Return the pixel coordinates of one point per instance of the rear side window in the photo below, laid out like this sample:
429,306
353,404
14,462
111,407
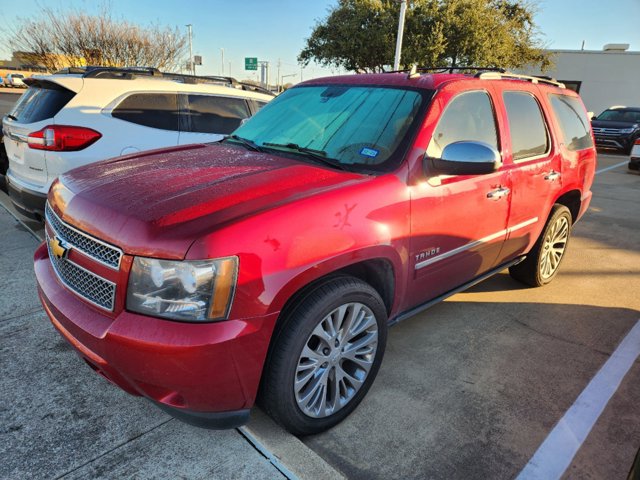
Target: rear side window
468,117
41,101
528,131
155,110
211,114
573,122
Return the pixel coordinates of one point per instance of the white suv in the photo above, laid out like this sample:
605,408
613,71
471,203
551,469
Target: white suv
79,116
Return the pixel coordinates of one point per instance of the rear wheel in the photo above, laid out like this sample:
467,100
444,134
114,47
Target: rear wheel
326,357
543,261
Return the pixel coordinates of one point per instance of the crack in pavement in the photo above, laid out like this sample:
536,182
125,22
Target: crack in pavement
120,445
565,340
273,459
24,314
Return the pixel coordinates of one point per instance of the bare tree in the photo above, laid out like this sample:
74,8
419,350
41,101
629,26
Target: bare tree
71,39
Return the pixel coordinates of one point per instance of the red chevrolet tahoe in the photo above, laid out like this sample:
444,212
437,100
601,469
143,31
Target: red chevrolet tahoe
270,265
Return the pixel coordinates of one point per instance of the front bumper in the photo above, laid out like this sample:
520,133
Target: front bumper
28,202
619,142
205,374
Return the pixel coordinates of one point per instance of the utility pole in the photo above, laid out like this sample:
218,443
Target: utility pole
278,78
192,65
222,61
403,11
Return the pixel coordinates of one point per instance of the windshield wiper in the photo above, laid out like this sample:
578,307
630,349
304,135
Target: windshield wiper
319,155
246,142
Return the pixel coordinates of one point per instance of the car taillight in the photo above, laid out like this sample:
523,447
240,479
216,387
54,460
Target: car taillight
637,142
62,138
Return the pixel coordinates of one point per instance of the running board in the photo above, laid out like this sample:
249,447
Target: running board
420,308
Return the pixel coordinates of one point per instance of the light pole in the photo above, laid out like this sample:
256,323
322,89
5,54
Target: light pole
283,77
403,11
222,61
191,64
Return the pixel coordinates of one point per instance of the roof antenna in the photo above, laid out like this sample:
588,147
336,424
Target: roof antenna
413,73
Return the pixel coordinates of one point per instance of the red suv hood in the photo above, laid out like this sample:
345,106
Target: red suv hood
157,203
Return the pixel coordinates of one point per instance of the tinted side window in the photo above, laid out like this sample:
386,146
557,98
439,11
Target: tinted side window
156,110
573,122
40,102
468,117
211,114
528,131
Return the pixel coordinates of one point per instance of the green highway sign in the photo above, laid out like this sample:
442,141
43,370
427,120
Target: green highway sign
251,63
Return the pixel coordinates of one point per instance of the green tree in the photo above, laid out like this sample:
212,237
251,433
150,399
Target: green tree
360,35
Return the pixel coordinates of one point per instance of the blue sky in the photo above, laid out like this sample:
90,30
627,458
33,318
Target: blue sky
277,29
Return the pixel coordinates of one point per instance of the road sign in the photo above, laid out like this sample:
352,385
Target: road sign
250,63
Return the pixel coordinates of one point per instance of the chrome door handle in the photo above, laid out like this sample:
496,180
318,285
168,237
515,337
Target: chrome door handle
498,194
552,176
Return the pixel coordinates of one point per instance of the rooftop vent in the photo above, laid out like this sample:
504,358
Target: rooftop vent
616,47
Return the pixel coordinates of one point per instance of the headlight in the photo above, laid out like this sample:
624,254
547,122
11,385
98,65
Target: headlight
190,290
627,130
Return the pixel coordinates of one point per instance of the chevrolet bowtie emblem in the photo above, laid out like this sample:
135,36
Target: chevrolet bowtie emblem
58,248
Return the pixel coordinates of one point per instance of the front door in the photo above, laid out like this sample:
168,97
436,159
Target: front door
458,222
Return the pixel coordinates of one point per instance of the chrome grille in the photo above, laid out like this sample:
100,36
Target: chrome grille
94,248
88,285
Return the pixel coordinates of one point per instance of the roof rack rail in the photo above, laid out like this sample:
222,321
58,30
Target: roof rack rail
448,69
518,76
129,73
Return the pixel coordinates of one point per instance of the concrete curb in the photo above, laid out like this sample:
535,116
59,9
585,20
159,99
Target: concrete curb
286,452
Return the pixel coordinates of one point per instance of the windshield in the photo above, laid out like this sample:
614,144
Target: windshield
17,76
360,127
620,115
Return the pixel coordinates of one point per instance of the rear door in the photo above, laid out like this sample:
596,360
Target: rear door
208,118
535,166
144,121
34,111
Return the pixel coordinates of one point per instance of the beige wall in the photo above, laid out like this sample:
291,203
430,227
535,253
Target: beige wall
608,78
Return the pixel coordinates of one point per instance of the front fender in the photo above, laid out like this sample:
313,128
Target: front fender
282,249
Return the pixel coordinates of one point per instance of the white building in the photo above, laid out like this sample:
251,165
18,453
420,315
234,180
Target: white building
604,78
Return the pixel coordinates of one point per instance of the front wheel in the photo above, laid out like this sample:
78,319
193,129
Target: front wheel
543,261
326,357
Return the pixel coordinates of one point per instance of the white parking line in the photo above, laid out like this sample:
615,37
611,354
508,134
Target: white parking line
555,454
612,167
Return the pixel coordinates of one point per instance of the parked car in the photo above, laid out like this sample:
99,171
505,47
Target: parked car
273,263
15,80
80,116
634,160
1,81
618,128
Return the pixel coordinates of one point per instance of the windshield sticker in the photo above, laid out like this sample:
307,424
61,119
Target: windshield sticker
369,152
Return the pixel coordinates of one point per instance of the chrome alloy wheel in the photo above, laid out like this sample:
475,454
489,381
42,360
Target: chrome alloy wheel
553,248
335,360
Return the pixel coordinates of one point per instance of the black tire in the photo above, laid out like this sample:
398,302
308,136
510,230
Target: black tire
278,394
541,266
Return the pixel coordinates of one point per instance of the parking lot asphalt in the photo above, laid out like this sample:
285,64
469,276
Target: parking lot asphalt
468,389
